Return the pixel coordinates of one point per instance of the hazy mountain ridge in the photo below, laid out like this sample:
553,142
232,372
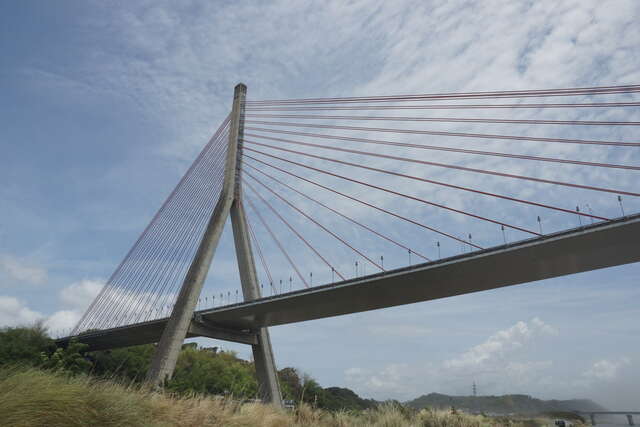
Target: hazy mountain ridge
506,404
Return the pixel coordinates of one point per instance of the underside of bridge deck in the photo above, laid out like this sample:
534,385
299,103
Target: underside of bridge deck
583,249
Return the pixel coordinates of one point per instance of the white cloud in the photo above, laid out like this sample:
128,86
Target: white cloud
75,299
606,369
395,379
500,345
60,322
22,270
502,358
80,294
13,312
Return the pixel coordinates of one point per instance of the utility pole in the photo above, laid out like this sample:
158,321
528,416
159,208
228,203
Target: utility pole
229,203
475,397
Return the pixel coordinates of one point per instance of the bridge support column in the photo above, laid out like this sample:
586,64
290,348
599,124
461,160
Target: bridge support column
593,419
166,354
230,202
170,344
266,371
630,419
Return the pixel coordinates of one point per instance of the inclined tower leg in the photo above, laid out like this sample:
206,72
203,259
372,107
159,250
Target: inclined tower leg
266,372
230,202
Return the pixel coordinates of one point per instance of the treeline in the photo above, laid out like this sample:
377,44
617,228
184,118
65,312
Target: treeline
199,370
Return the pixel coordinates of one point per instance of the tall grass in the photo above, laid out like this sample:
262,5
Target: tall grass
35,398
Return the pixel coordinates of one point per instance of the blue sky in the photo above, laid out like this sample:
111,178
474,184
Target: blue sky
104,106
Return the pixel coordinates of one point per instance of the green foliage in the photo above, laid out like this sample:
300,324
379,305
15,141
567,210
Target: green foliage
312,392
69,359
203,371
290,384
24,346
131,363
198,370
340,399
304,389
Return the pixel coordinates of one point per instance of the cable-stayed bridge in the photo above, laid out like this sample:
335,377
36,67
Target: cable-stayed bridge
456,210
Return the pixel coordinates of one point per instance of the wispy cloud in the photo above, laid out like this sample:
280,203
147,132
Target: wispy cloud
606,369
493,351
21,270
501,358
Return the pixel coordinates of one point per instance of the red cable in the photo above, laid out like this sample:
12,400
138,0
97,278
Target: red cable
352,198
597,90
456,134
463,168
319,225
438,148
282,249
430,181
336,212
289,225
445,107
448,120
438,205
259,249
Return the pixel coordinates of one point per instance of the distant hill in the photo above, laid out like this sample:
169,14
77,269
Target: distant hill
337,398
507,404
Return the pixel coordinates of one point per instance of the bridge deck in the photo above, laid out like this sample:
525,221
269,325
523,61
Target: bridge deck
573,251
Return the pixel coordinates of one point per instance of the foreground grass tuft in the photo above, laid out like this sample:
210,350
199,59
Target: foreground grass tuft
31,397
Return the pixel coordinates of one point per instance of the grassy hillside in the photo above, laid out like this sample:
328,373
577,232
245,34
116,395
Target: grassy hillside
30,397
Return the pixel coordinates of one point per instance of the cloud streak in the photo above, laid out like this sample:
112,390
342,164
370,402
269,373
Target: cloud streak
501,359
22,270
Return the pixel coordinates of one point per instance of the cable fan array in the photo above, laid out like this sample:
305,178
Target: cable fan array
398,195
330,197
146,283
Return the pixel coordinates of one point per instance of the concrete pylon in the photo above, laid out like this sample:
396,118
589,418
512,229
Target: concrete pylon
230,202
266,372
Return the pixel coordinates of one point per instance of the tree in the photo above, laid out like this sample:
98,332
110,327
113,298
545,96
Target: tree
70,359
203,371
129,362
25,345
290,384
312,392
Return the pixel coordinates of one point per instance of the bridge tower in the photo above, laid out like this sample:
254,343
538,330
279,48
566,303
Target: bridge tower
182,316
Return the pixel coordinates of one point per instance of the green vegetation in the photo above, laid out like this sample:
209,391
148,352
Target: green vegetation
204,371
42,385
24,345
30,397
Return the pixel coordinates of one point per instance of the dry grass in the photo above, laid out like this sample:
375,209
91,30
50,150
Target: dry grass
31,397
